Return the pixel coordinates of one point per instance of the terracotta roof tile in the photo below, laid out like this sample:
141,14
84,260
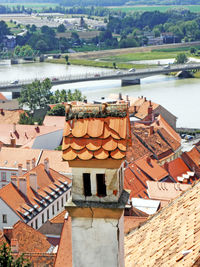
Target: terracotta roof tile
164,238
96,137
2,97
57,121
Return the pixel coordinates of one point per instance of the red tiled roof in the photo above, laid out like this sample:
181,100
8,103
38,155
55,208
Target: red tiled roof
59,218
132,222
142,107
194,155
10,116
99,137
2,97
57,121
19,202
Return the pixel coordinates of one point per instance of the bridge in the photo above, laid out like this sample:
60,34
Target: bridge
125,76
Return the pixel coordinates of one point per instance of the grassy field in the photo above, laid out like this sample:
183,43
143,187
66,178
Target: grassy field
192,8
36,6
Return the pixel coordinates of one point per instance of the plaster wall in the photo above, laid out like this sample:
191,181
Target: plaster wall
111,180
12,217
95,242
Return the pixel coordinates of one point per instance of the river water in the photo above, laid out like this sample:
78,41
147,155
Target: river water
179,96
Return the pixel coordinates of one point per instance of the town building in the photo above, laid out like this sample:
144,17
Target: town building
34,197
94,143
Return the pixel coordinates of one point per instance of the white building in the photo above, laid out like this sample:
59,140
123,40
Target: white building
34,197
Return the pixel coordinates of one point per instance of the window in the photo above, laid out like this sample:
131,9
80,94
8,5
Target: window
42,217
4,218
57,205
36,224
66,197
32,224
47,214
3,176
87,184
101,186
53,210
13,174
62,202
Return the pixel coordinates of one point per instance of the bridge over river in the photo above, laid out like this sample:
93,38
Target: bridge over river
126,77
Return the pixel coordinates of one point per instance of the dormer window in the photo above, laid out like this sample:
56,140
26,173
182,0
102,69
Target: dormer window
101,185
87,184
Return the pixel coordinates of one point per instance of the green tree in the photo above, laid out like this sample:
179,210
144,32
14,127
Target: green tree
26,51
67,59
41,45
58,110
193,50
61,28
7,260
181,58
36,95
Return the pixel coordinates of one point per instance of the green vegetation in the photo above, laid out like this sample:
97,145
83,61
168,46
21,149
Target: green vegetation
28,119
7,260
65,96
181,58
58,110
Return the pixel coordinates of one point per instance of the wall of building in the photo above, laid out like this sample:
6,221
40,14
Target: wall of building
111,180
95,242
12,217
169,117
9,173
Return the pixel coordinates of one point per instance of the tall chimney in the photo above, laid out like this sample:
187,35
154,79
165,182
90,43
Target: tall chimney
14,245
135,109
12,142
7,232
151,130
28,165
14,180
1,110
120,96
33,181
23,185
33,163
148,160
46,165
20,173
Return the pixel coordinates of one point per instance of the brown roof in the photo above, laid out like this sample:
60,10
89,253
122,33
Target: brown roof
29,239
19,202
10,116
101,137
132,222
57,121
194,155
23,133
64,253
169,238
2,97
10,104
11,157
142,106
59,218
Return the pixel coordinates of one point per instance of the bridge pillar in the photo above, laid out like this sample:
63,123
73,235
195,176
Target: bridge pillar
15,95
128,81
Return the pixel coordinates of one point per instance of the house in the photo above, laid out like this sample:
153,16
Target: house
158,140
10,116
192,160
146,110
33,197
95,140
12,160
180,172
170,237
31,136
140,171
9,104
22,238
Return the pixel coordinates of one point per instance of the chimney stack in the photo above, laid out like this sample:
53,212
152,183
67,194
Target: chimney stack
2,113
12,142
151,130
33,181
23,185
148,160
145,99
7,232
14,246
14,180
120,96
20,173
33,163
28,165
46,165
135,109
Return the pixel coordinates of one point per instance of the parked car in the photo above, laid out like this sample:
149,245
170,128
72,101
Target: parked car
118,72
97,75
14,82
166,67
131,70
54,79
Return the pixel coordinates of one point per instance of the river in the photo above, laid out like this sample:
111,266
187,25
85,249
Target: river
179,96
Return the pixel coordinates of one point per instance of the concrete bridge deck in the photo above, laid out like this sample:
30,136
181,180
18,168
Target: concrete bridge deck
9,86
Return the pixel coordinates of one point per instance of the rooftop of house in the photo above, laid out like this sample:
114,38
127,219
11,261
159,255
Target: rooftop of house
10,116
23,134
57,121
28,239
139,172
178,170
2,97
96,132
193,155
157,139
9,104
170,237
10,157
23,198
165,191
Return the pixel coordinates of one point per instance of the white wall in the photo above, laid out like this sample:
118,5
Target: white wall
95,242
12,217
9,173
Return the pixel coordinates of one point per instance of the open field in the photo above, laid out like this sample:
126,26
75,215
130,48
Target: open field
36,6
192,8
